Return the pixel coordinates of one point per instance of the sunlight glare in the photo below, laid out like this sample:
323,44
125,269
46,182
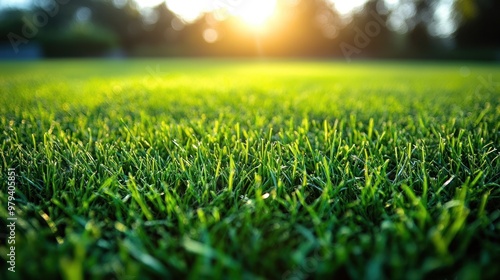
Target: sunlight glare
210,35
345,7
148,3
255,13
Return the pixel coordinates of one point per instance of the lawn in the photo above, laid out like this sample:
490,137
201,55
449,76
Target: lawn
226,169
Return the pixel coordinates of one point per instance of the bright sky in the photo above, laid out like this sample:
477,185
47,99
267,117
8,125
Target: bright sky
347,6
252,11
190,10
14,3
256,12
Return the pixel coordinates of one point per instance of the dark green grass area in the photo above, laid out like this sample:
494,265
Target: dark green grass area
239,169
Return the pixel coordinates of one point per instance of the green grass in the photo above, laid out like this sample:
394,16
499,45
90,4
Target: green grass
239,169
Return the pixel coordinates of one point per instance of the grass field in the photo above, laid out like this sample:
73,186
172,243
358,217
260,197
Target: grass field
245,170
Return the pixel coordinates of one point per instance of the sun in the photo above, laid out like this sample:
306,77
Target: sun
255,13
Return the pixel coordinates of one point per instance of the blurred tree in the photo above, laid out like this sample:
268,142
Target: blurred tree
10,20
480,23
77,40
420,41
302,28
162,33
123,21
164,27
367,32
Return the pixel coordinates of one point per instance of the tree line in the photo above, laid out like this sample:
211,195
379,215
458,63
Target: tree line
65,28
